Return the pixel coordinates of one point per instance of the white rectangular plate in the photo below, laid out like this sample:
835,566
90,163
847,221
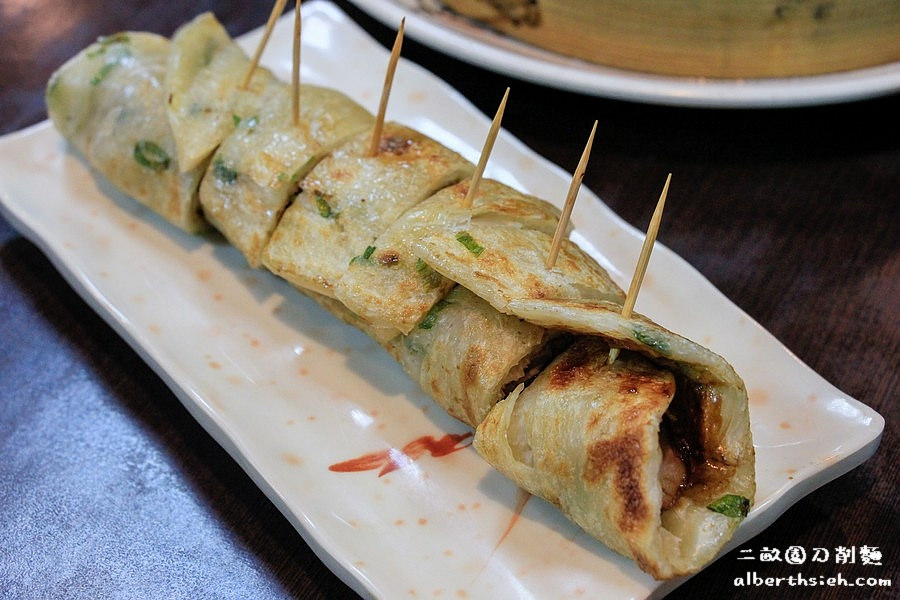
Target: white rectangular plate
289,391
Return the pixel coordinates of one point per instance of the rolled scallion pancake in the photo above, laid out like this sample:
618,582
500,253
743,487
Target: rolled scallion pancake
652,455
391,287
350,198
109,102
254,172
467,356
205,101
502,262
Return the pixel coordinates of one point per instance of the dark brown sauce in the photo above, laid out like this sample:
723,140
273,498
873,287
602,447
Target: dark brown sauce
689,427
392,459
681,430
547,351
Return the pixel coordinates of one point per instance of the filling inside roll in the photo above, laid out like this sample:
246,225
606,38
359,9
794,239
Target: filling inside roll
531,365
681,451
642,456
687,439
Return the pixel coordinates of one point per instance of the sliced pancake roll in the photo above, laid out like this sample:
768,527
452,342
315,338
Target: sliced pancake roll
503,262
652,455
205,101
254,172
350,198
109,102
391,287
468,356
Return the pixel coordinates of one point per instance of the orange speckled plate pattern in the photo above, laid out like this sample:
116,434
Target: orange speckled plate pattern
302,402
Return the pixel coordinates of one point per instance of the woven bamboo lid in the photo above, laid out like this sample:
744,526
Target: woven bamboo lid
703,38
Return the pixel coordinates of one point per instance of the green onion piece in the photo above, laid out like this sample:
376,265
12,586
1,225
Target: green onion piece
103,72
107,40
466,240
307,166
296,177
647,338
364,257
431,316
104,41
731,505
116,57
209,51
53,85
412,345
150,155
235,119
325,210
428,275
224,173
197,109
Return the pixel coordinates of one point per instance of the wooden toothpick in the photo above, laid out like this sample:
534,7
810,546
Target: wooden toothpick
485,152
273,16
295,74
386,90
643,259
570,201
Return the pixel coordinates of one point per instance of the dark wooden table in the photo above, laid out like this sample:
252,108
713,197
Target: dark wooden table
108,487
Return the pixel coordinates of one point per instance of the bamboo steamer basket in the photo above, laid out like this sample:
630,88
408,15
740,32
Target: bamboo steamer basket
703,38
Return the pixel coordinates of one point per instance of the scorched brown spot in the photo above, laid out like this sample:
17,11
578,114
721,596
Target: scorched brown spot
470,367
535,288
342,175
632,380
622,456
389,257
492,262
572,367
396,145
635,413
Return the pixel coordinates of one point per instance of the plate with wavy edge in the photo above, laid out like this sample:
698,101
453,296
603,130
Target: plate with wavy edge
289,391
485,48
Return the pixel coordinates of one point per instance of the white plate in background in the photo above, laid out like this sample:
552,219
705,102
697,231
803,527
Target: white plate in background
290,391
485,48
